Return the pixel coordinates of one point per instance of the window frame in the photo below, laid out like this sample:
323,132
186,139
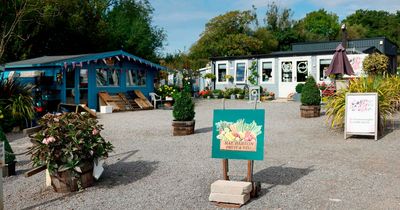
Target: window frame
109,72
217,71
273,75
245,62
319,58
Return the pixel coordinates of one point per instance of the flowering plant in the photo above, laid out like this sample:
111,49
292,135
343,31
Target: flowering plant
67,142
166,90
205,93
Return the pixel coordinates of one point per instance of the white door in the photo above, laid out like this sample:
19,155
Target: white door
292,71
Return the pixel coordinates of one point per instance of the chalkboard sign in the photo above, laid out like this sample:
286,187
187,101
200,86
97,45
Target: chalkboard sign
361,115
238,134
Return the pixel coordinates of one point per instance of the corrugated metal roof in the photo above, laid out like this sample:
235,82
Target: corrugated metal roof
68,59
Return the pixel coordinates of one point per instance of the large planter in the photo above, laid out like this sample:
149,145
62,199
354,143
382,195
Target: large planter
65,181
9,169
310,111
182,128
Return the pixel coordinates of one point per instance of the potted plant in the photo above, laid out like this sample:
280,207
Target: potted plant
271,96
310,99
68,145
210,76
9,157
183,113
229,78
299,89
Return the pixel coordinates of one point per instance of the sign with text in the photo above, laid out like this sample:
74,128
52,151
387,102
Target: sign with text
361,115
238,134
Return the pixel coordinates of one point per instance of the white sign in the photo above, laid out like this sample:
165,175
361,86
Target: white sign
361,114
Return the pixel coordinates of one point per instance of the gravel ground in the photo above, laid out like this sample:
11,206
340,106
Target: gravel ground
306,166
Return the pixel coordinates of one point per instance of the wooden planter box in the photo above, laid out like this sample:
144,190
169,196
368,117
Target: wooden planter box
65,181
310,111
183,128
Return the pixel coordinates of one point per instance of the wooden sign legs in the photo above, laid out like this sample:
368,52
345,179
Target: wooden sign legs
249,177
225,169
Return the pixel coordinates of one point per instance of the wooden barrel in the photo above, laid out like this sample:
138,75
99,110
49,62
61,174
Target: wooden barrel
310,111
66,182
182,128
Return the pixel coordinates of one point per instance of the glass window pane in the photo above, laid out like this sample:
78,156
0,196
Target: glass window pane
101,77
240,72
131,77
287,71
221,72
323,66
113,79
142,77
266,71
302,71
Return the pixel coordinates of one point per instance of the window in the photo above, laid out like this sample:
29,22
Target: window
266,72
240,72
107,77
136,77
323,66
221,72
131,77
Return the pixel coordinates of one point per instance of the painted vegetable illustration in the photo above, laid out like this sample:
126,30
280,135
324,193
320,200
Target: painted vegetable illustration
238,131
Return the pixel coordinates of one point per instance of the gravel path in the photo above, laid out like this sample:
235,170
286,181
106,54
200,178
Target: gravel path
306,166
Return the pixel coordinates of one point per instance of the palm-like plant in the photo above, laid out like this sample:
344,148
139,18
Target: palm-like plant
387,87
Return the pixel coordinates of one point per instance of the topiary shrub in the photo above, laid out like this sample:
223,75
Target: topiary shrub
376,64
310,95
299,87
183,107
9,156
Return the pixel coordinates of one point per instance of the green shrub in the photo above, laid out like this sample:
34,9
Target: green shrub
299,87
376,64
310,94
9,156
388,89
209,76
183,107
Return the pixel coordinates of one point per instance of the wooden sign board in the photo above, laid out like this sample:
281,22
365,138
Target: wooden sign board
361,114
238,134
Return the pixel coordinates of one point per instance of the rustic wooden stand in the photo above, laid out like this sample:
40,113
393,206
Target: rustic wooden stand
249,177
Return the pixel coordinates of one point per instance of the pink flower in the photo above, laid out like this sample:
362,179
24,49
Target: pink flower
95,132
48,140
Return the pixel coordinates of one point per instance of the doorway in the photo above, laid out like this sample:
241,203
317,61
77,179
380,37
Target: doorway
292,71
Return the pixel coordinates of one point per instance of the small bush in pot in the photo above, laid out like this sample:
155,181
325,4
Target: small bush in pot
68,144
310,99
183,114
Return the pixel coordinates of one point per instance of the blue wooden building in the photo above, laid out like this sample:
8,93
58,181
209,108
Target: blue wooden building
77,79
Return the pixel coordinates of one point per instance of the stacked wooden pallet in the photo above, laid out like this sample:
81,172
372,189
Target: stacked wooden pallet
122,102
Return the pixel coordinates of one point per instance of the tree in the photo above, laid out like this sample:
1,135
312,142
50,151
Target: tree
280,23
269,42
377,23
376,64
319,25
130,27
229,34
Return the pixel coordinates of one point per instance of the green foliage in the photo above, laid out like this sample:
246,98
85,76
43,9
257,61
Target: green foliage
377,23
209,76
59,27
253,71
16,103
167,90
9,155
319,25
299,87
376,64
387,87
183,107
67,141
310,95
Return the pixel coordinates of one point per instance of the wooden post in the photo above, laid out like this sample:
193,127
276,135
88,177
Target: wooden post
249,171
225,169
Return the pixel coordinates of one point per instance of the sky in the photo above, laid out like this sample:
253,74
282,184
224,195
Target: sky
184,20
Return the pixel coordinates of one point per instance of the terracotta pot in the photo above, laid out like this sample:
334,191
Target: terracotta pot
66,182
310,111
183,128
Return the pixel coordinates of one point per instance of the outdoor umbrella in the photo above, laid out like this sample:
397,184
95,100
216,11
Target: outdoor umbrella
340,64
